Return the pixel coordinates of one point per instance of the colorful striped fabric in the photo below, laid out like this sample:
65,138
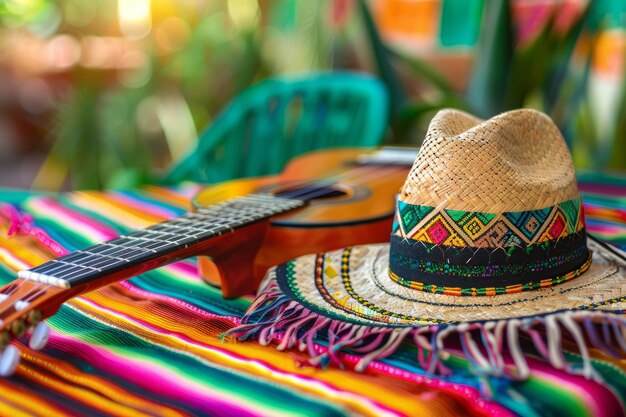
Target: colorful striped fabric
151,345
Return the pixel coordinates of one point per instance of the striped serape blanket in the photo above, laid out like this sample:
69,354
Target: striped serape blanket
152,345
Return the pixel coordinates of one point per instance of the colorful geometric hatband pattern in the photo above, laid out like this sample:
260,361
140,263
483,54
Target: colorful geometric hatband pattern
488,230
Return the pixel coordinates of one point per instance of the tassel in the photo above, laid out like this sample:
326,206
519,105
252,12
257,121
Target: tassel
22,224
574,329
396,336
521,366
620,334
535,337
553,332
275,317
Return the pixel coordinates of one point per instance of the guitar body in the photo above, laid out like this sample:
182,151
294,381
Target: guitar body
361,212
321,201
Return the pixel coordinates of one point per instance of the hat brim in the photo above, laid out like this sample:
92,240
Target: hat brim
354,286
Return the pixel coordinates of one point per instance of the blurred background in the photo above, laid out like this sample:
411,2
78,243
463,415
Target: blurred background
113,93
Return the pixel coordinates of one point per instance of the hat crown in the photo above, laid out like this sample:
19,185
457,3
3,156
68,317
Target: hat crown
489,207
516,161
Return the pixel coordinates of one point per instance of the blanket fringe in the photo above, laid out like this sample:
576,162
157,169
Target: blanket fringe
23,224
274,316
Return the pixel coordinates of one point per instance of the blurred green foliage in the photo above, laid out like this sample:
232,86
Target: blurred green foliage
508,74
124,125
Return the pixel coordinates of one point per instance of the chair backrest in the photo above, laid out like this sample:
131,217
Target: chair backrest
278,118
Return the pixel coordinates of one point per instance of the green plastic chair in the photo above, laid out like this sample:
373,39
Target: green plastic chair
279,118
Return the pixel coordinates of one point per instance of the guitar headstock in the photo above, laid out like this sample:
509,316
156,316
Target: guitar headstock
23,306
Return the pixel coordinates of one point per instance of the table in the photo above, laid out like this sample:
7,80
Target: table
152,345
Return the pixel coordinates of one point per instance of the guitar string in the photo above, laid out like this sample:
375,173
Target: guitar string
33,296
337,173
336,176
321,191
7,304
355,173
12,290
361,179
332,177
217,227
308,194
222,195
346,176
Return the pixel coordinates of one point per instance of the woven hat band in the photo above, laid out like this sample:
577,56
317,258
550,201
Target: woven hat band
446,227
474,253
469,271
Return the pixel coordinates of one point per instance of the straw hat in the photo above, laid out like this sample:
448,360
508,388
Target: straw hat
488,240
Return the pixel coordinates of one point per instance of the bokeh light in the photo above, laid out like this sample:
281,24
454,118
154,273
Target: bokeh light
134,17
171,34
79,13
244,13
63,51
36,96
173,65
134,68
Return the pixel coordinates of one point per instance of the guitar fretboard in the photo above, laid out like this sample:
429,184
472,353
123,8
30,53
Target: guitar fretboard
155,241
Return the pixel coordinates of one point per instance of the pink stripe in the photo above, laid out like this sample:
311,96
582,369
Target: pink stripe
234,356
606,229
600,401
141,205
458,390
185,267
606,189
178,303
173,386
153,378
189,190
96,229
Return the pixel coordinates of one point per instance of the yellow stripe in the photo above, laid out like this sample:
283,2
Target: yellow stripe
19,402
104,206
21,252
98,393
168,196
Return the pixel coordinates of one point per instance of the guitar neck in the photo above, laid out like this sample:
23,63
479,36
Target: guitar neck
162,241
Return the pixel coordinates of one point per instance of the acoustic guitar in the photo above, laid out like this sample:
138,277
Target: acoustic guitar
321,201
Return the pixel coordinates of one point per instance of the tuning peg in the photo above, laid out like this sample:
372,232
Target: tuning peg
9,359
39,336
